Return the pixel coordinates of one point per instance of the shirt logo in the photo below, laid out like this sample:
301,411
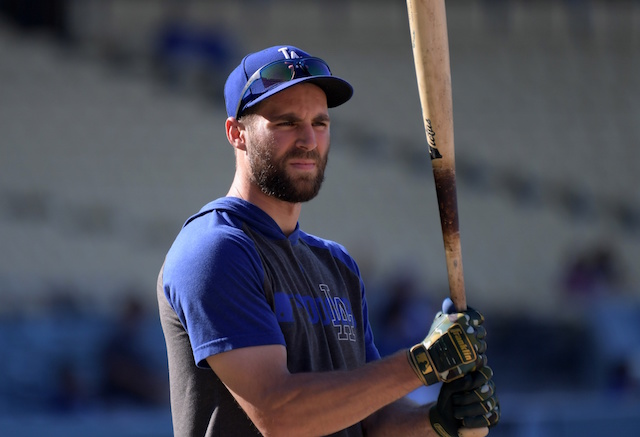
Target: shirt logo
341,315
327,310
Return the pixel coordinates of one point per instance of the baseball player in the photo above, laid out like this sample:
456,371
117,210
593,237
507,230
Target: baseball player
266,326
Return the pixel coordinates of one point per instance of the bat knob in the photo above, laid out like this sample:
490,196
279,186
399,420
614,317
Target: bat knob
473,432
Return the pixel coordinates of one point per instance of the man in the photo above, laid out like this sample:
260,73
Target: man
266,326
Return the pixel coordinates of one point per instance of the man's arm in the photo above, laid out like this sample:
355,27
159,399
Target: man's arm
319,403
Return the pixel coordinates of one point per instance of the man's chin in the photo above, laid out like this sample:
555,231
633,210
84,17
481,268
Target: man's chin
302,196
301,193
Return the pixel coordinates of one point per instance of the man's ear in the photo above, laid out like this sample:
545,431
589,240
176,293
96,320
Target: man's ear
236,132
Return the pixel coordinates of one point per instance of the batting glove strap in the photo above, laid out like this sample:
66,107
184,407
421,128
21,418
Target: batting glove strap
422,364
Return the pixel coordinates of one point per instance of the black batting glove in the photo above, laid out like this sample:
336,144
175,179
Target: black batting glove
468,402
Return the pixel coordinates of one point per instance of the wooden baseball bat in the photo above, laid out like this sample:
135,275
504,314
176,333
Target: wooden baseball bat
430,43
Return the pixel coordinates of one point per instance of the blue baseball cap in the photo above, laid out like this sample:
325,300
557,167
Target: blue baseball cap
247,84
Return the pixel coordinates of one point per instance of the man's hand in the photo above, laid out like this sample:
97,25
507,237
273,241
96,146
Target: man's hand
468,402
453,347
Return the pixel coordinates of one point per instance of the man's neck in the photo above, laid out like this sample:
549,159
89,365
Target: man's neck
285,214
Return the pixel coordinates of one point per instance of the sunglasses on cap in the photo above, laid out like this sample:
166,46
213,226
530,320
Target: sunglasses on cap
281,71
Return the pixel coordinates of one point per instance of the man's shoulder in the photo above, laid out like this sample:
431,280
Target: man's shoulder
320,242
214,210
336,250
208,229
211,234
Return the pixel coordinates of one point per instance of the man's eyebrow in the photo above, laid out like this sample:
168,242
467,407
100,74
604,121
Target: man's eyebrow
290,116
322,117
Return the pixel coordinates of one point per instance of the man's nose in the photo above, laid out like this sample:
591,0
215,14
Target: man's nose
307,137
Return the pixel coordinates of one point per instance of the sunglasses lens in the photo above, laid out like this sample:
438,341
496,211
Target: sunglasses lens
315,67
284,72
276,73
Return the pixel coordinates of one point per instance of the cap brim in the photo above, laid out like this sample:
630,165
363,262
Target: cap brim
338,90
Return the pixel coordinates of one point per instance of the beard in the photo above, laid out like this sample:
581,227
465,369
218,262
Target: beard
270,174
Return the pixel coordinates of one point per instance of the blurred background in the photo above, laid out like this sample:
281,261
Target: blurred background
111,135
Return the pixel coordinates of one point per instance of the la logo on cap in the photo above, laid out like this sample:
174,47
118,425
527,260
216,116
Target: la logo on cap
288,54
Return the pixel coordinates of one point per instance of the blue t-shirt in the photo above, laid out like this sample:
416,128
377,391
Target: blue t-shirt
232,279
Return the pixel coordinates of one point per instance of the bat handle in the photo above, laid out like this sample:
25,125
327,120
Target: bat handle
473,432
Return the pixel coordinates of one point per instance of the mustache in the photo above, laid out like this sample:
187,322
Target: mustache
301,154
